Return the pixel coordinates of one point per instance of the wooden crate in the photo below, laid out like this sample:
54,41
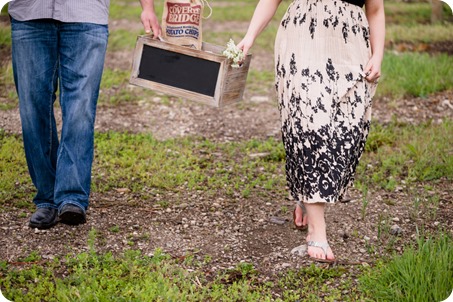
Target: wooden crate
204,76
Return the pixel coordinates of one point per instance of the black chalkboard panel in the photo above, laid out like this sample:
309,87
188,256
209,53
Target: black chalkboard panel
178,70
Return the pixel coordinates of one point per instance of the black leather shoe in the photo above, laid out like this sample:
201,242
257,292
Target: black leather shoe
43,218
72,214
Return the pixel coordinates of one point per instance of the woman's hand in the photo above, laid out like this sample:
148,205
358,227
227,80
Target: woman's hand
245,45
373,69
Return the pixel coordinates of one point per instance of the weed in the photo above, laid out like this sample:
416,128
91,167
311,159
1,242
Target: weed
422,273
114,229
364,201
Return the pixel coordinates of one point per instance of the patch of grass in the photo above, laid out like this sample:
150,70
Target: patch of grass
14,178
415,74
419,33
114,78
5,36
242,11
314,283
395,153
132,276
407,153
115,88
130,10
7,89
397,12
122,39
141,163
260,82
114,229
221,38
422,273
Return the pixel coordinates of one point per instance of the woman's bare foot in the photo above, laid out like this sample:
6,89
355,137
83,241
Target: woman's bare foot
300,218
317,246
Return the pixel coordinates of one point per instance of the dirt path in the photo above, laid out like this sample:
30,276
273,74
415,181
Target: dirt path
230,230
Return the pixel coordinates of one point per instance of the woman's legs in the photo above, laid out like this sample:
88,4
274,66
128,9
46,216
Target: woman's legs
317,231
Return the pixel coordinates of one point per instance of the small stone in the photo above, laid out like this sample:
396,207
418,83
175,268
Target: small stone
395,219
395,230
259,99
285,265
299,250
363,251
168,210
343,234
436,223
259,155
366,238
186,226
277,220
398,188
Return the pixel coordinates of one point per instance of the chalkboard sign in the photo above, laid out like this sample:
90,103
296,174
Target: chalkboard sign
200,75
178,70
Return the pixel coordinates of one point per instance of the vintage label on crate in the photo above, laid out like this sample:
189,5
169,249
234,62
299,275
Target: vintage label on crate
181,22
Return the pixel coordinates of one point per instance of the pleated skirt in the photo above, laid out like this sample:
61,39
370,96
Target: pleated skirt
321,50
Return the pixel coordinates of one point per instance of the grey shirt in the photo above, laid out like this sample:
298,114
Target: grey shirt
89,11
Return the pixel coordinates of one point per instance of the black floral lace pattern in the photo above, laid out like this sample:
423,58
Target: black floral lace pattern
321,49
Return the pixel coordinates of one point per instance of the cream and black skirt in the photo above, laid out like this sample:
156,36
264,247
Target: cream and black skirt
321,50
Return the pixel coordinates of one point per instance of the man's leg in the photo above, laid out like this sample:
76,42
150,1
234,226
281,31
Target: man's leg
82,52
35,66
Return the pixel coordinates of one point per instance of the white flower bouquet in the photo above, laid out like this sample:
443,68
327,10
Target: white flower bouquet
234,53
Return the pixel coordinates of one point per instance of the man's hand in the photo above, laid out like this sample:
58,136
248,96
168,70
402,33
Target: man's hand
149,19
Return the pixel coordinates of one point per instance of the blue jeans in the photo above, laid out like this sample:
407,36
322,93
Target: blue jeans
48,54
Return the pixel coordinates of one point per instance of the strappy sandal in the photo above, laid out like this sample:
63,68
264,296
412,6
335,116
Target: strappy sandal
299,227
322,245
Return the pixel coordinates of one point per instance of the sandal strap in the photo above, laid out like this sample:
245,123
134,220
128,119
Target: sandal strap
323,245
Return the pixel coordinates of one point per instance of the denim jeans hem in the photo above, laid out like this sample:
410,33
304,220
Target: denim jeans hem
46,205
70,202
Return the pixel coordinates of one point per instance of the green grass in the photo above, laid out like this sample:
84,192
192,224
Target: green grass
141,163
7,88
5,36
116,90
422,273
394,153
399,152
425,33
132,276
122,39
260,82
415,74
397,12
403,75
15,182
130,10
